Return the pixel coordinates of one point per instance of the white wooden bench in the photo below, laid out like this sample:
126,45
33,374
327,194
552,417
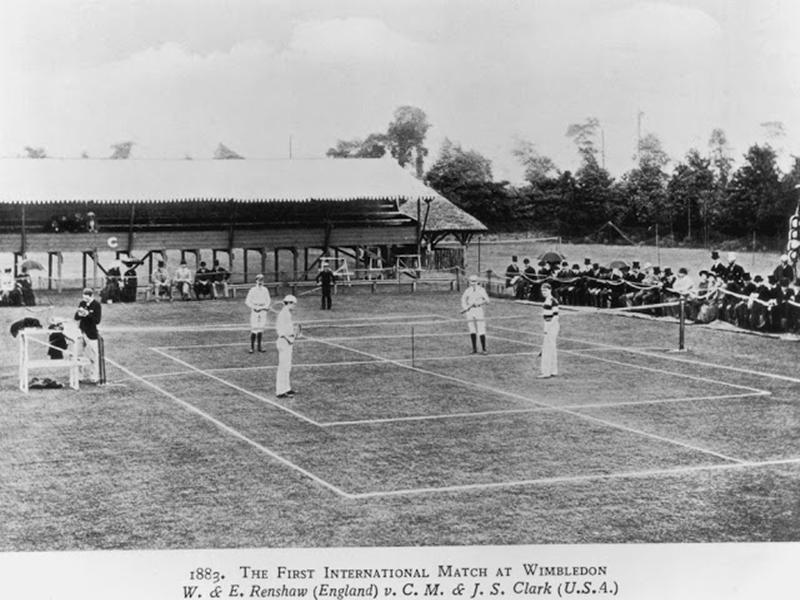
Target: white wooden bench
26,364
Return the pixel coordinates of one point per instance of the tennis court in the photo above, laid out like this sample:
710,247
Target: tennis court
393,407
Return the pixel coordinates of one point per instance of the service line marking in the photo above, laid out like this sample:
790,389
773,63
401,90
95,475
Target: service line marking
235,433
568,479
555,408
239,388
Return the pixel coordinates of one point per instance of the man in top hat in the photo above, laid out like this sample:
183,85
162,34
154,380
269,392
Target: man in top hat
88,315
287,334
717,267
512,272
734,272
221,277
258,301
473,300
203,282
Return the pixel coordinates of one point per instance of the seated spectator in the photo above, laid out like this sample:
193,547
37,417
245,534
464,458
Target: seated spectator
56,340
162,284
221,277
734,271
7,287
784,270
183,281
203,282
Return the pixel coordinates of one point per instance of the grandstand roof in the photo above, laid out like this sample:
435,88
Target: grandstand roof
443,216
38,181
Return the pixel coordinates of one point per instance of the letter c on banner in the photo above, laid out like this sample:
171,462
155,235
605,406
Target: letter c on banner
113,242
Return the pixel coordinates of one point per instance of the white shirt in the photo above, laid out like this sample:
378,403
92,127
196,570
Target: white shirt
284,325
258,297
6,282
474,297
683,285
183,274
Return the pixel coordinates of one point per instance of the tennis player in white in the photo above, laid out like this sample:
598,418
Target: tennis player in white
549,349
258,301
473,300
285,328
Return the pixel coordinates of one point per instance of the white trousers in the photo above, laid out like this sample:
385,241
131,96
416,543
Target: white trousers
283,375
258,321
549,349
476,321
89,349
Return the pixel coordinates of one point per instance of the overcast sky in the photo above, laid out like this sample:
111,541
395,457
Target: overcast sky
178,77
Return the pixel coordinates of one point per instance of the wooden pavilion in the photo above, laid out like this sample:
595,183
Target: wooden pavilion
147,207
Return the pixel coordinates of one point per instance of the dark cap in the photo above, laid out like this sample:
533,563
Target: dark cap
714,254
87,291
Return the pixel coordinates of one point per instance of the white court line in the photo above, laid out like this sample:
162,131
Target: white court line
444,416
635,366
246,327
337,338
634,350
555,408
238,388
575,478
235,433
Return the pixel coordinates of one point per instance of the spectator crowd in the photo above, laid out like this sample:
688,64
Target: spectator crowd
724,291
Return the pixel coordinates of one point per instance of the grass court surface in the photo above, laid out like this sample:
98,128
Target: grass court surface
399,438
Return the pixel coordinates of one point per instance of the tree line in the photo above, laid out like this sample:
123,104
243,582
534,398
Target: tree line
701,199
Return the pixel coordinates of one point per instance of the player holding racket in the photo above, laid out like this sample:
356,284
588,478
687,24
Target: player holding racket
473,300
258,301
287,333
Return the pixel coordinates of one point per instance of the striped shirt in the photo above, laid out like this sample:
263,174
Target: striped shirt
550,309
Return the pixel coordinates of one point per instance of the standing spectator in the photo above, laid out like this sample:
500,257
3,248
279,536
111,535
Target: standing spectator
183,280
258,301
284,327
25,287
162,284
512,272
111,291
88,316
326,279
549,354
717,268
203,282
473,300
221,277
130,281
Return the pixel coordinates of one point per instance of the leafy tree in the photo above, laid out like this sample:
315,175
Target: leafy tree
122,150
456,167
372,147
585,137
690,191
754,202
224,153
35,152
406,137
538,168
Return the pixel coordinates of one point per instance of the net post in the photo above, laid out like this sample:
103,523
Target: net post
682,323
412,346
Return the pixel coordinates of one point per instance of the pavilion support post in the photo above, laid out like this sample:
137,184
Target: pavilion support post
94,268
276,256
305,263
196,259
244,263
294,264
60,269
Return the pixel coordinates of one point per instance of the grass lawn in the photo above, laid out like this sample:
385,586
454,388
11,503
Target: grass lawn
398,435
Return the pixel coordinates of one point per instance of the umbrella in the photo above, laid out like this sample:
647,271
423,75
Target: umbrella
31,265
618,264
551,257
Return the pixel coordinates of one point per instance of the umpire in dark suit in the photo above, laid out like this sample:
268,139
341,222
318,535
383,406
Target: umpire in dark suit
326,279
88,315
